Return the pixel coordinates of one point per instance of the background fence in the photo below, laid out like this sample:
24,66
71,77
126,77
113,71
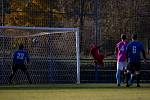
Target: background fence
44,75
108,73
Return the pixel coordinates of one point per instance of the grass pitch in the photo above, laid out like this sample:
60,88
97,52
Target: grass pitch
74,92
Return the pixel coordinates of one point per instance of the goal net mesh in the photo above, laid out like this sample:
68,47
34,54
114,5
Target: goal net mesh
52,51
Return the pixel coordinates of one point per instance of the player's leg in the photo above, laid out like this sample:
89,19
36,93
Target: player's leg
96,70
128,74
118,77
138,75
122,76
133,76
123,71
28,76
14,70
118,73
24,69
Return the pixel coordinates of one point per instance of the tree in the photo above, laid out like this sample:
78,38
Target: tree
33,13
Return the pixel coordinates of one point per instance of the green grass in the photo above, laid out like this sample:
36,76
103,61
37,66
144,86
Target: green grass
74,92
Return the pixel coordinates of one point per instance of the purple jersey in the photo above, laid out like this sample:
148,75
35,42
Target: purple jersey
121,51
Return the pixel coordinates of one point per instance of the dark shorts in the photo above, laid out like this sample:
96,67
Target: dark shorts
21,67
133,67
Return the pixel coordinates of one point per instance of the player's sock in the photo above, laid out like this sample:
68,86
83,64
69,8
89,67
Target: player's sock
118,77
138,76
132,79
127,79
11,77
122,77
28,76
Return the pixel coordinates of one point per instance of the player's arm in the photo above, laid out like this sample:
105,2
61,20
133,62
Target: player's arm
144,55
143,51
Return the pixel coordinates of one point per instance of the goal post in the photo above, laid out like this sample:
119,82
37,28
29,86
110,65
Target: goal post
54,53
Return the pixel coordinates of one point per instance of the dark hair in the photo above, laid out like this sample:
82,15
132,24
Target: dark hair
134,36
21,46
123,36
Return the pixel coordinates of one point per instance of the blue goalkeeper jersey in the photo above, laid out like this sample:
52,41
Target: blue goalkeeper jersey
20,57
134,50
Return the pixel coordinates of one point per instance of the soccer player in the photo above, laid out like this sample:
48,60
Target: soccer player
98,58
133,51
120,51
19,59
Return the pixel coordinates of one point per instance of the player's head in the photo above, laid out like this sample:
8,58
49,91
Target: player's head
93,45
123,37
21,47
134,36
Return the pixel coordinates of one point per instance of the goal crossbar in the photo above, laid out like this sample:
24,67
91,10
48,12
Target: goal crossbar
39,28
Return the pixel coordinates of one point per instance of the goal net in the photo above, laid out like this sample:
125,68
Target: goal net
54,54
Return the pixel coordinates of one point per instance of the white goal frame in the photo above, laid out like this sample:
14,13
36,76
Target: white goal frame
76,30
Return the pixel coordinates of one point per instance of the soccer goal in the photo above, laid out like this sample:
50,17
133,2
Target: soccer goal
54,53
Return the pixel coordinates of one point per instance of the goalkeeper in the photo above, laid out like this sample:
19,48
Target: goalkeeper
98,58
19,59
